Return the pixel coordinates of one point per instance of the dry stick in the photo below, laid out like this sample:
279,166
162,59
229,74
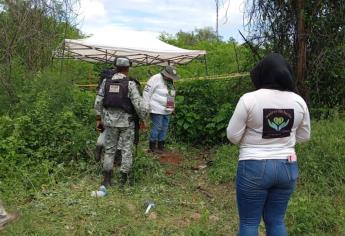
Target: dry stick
254,50
204,191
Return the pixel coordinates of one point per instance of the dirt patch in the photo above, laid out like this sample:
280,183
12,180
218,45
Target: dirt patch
152,215
170,158
195,216
182,223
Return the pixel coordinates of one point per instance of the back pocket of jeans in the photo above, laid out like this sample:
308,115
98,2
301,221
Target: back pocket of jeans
292,170
254,169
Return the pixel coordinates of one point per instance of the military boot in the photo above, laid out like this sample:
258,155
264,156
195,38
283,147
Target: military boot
98,154
152,146
107,178
161,146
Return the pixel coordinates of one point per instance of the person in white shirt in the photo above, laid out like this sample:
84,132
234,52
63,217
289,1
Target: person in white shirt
266,124
160,93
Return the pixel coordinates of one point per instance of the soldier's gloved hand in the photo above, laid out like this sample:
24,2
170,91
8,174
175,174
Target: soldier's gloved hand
99,126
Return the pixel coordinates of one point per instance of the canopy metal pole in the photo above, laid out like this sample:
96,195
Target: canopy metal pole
106,56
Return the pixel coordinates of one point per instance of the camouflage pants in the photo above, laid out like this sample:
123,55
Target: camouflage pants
111,141
101,141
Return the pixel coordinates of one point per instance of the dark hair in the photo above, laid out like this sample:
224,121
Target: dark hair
273,72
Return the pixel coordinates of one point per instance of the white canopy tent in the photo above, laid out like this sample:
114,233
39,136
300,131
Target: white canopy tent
142,48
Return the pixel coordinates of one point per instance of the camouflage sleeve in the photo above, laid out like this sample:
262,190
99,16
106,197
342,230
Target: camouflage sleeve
140,106
99,100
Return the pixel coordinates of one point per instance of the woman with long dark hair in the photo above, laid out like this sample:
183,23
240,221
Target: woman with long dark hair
267,123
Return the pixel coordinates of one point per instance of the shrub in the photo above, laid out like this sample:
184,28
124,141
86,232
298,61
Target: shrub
51,124
204,108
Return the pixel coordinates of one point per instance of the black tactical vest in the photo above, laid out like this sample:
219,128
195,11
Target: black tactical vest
116,95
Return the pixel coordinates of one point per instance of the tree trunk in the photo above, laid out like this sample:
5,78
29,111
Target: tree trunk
301,51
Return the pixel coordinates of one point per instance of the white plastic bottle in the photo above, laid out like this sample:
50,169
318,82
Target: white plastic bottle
100,193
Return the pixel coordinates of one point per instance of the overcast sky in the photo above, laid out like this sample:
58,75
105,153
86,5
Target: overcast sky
158,16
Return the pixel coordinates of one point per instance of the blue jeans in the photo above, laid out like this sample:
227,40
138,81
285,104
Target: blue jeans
160,124
263,189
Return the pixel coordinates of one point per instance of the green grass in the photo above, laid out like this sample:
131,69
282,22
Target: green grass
64,206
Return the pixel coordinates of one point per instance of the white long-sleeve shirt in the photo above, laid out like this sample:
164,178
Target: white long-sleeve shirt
267,124
156,94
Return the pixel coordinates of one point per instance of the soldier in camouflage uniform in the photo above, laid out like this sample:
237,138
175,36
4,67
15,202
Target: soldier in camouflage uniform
106,74
117,102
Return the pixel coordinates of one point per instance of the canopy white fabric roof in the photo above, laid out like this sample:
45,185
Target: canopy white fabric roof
142,48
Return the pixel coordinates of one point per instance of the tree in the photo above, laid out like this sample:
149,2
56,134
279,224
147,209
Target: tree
184,39
29,31
218,5
223,57
311,35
